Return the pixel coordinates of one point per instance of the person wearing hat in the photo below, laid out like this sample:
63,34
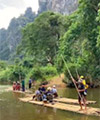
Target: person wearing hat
54,91
84,83
49,95
82,89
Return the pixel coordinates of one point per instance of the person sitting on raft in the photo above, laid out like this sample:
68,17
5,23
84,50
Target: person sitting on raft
45,96
42,89
38,95
54,91
48,96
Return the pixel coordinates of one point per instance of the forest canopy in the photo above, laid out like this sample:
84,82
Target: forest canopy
75,37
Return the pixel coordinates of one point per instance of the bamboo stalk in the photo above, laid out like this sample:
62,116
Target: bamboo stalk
73,80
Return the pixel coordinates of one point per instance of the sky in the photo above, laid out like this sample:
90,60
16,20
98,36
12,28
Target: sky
13,8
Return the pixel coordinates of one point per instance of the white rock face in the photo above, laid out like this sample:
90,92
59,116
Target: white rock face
62,6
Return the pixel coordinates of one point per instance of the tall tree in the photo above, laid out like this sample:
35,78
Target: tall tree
41,38
79,44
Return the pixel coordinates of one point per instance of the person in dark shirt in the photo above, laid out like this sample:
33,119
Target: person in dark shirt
23,85
81,96
30,83
42,89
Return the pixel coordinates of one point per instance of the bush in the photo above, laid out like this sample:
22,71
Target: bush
11,74
41,73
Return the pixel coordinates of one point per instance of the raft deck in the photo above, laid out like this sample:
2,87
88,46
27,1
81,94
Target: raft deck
65,107
21,92
61,100
72,101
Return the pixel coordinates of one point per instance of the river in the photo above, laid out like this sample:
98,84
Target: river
12,109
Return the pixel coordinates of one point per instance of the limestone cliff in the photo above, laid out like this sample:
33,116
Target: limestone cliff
62,6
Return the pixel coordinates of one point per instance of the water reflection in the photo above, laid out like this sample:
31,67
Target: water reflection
12,109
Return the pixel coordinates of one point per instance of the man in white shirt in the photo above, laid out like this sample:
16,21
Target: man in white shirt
54,91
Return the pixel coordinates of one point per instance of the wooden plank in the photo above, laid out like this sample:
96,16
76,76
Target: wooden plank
21,92
71,101
66,107
62,100
75,108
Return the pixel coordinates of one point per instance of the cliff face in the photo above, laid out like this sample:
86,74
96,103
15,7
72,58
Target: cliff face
62,6
11,37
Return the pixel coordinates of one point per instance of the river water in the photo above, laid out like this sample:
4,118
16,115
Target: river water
12,109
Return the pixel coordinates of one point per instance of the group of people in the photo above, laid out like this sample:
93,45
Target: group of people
45,94
21,86
18,86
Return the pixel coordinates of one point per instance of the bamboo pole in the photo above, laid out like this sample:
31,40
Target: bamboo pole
73,80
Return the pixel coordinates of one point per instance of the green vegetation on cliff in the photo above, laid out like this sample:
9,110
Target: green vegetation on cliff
76,37
10,38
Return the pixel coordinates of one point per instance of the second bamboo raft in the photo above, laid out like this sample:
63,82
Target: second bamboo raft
62,106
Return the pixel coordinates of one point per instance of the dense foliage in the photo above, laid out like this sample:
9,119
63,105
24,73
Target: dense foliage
79,45
41,38
75,37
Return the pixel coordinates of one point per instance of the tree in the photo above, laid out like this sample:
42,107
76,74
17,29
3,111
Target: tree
79,43
41,38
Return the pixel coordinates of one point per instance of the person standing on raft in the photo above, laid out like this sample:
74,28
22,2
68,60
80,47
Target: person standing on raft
79,87
23,85
30,83
84,83
82,93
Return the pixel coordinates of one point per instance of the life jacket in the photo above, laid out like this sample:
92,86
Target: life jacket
85,85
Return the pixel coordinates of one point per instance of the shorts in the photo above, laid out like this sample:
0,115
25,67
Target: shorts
82,95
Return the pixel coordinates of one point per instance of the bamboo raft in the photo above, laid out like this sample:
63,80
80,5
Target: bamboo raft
72,101
61,100
63,106
21,92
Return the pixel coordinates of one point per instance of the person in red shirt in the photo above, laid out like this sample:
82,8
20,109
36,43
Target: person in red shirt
14,86
18,86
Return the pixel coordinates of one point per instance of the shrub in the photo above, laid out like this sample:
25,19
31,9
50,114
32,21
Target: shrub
41,73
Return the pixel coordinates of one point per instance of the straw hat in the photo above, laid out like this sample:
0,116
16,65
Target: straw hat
54,86
49,88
